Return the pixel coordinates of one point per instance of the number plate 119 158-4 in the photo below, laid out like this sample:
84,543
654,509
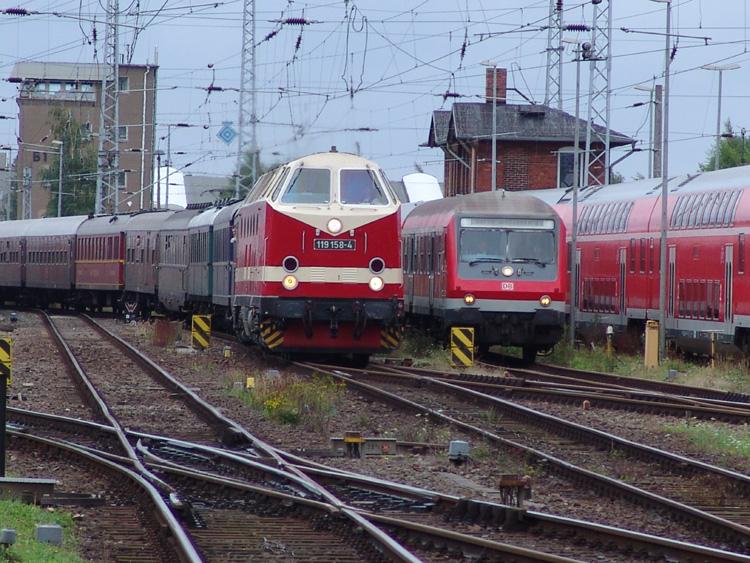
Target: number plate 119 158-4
334,244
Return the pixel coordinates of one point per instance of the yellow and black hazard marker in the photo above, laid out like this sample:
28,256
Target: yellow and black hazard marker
6,358
271,335
462,346
201,330
390,338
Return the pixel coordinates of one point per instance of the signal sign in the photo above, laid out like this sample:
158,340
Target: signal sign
462,346
201,331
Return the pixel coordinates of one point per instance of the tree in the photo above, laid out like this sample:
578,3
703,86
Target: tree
248,180
79,166
731,150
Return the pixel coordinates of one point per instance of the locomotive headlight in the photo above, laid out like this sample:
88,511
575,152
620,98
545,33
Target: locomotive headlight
545,300
290,282
469,299
376,283
507,271
290,264
334,225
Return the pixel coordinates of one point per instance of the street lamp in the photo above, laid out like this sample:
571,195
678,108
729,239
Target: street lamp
493,66
59,179
664,190
576,183
721,69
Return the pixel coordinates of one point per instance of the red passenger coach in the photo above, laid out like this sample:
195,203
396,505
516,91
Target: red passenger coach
100,261
494,261
318,258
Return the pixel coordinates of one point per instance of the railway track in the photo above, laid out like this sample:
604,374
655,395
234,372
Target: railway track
564,374
568,390
220,489
715,500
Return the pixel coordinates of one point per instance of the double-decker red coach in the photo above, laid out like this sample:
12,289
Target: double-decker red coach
618,253
494,261
318,258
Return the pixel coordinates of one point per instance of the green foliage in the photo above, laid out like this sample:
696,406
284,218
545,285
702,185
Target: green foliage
246,171
79,166
731,150
727,375
714,438
23,518
423,349
292,400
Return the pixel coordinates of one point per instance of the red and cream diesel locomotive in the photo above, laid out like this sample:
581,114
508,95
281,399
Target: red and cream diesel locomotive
318,263
494,261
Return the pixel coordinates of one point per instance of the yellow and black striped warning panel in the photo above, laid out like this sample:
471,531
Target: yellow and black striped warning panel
390,338
201,330
462,346
272,336
6,358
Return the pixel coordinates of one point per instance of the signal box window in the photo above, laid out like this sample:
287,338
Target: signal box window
359,187
309,185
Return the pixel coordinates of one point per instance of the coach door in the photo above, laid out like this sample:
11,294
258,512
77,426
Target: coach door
728,273
431,267
623,264
671,286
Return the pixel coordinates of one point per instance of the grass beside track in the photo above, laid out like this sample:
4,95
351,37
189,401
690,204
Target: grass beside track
730,442
23,518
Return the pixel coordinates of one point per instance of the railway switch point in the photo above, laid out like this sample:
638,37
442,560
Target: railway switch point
49,533
458,451
7,537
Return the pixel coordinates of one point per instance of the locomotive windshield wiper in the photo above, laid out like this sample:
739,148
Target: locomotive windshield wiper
532,260
488,259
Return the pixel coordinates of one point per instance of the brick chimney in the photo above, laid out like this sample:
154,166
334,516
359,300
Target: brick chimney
502,79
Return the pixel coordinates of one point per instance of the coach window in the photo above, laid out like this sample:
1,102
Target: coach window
643,256
707,207
309,186
632,255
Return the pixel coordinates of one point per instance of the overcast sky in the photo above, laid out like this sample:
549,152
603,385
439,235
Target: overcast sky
384,65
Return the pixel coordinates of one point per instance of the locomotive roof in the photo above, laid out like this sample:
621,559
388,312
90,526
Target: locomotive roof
104,224
485,203
149,220
332,160
55,226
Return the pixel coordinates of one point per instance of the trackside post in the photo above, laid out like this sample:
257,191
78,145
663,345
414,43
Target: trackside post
6,364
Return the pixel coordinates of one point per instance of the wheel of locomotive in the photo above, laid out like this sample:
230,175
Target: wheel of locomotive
529,354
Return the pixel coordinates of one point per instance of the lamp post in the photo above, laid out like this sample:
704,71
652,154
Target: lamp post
493,66
11,172
720,69
59,178
663,274
159,154
169,155
651,103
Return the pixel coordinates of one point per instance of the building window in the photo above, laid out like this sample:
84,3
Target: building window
565,165
54,87
86,87
121,180
123,84
122,133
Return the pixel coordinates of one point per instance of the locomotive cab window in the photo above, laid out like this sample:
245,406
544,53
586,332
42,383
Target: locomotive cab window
361,187
507,240
309,186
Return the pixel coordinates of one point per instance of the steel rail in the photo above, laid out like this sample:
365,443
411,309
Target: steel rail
613,486
178,539
389,544
496,360
622,398
482,510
